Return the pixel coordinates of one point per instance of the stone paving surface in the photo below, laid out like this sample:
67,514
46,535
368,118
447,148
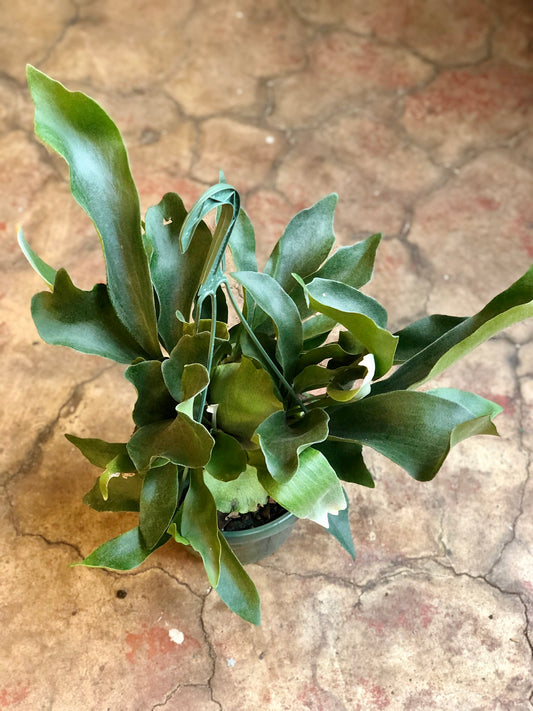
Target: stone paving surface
419,114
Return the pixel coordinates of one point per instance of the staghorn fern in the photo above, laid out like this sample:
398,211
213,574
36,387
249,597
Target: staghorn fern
281,404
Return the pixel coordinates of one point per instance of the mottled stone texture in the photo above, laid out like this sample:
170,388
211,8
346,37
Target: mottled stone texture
418,113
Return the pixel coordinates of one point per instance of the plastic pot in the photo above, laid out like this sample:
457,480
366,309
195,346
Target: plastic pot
254,544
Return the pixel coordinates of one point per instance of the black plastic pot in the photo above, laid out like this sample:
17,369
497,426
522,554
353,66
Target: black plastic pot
254,544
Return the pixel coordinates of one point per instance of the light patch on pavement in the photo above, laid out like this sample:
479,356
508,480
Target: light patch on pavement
176,636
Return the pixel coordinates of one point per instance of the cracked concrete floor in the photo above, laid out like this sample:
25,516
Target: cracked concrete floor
418,112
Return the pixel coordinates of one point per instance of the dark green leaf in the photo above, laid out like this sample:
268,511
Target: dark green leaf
512,305
347,460
313,377
339,297
305,244
352,265
181,441
248,347
271,298
422,333
217,197
175,275
99,452
83,320
221,308
413,429
204,325
235,587
189,349
228,458
349,343
245,397
100,180
123,494
226,201
339,527
113,491
242,244
194,380
124,552
282,441
483,411
325,352
316,330
360,314
199,525
159,498
154,402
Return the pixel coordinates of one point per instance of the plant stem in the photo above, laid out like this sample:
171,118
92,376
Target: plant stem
199,411
275,370
223,230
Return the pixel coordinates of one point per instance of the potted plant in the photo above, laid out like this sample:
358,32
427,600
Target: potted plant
268,415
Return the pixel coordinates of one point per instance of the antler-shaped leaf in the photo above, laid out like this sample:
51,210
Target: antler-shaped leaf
175,275
100,179
455,338
226,199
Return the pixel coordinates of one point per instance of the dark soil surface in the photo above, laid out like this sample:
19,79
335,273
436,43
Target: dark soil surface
240,522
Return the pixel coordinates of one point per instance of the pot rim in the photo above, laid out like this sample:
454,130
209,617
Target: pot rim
264,530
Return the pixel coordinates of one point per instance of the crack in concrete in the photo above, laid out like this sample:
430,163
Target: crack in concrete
175,690
382,577
527,631
403,570
49,542
210,650
448,566
168,697
55,43
311,575
34,455
46,433
173,577
212,654
520,512
395,571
